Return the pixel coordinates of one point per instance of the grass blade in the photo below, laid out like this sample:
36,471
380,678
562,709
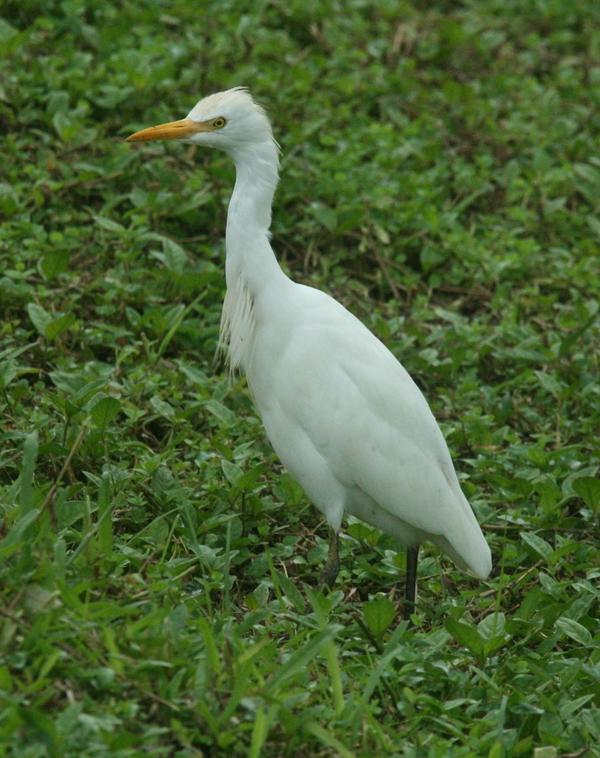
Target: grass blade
30,451
301,658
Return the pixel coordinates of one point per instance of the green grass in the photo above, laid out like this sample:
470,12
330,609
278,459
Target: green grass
440,176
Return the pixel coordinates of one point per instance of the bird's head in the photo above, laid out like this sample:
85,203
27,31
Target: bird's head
229,120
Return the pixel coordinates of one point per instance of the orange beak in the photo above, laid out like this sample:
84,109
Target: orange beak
172,130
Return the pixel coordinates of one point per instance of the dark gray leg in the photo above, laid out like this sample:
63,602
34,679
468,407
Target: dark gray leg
412,556
332,564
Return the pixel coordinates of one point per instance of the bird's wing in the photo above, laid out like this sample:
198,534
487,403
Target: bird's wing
367,418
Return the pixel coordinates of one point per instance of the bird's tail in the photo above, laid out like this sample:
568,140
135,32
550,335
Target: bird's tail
466,545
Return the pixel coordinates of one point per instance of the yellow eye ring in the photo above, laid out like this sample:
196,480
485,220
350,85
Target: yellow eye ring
219,123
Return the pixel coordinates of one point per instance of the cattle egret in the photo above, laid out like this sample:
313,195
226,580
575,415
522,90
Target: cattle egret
341,412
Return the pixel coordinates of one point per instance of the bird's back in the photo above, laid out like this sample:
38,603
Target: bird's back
339,409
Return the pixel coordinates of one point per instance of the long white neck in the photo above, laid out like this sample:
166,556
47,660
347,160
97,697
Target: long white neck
250,267
249,253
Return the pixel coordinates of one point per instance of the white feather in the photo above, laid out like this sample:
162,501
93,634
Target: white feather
238,325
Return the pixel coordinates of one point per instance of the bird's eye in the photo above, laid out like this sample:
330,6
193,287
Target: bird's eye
219,123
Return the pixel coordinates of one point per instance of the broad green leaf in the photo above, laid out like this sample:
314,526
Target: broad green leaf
221,412
549,383
110,225
39,599
571,707
292,592
589,183
17,532
381,234
175,258
54,262
104,411
66,127
49,325
7,32
431,256
574,630
5,679
194,374
249,478
538,544
467,635
588,490
59,325
492,630
162,407
594,224
322,604
8,371
231,470
362,532
492,626
324,215
550,726
378,614
40,318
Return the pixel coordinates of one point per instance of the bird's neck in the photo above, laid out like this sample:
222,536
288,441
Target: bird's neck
251,268
249,253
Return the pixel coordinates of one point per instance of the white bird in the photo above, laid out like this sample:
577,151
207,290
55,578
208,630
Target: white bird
341,412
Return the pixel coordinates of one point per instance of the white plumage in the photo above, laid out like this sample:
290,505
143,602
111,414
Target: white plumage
341,412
